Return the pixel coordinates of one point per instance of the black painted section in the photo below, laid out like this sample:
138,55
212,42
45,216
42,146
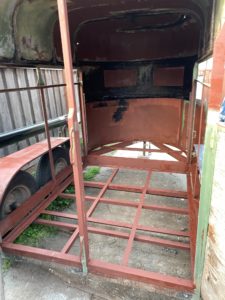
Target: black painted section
94,80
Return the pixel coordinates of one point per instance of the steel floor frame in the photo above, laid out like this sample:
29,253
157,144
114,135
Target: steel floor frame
98,266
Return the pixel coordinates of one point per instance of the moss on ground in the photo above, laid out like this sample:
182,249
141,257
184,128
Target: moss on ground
36,232
6,264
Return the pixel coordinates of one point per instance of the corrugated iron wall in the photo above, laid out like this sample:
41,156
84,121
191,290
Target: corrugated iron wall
22,108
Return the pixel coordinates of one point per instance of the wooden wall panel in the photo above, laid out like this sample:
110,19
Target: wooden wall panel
22,108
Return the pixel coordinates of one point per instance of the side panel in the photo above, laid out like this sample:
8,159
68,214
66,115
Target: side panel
130,120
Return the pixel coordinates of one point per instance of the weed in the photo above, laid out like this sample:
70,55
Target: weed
70,189
90,173
35,232
59,204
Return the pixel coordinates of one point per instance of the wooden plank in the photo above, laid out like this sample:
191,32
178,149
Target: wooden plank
49,98
31,101
36,104
62,91
21,108
5,120
55,80
58,99
26,101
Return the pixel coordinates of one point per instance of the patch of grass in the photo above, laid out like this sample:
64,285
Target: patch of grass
59,204
36,232
90,173
70,189
6,264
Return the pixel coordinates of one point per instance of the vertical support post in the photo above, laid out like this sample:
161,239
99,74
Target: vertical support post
144,148
190,124
203,100
83,114
75,151
45,115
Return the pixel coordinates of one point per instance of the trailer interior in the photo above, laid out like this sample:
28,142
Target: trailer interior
136,66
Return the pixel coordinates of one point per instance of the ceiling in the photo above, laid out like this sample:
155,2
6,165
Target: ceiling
106,30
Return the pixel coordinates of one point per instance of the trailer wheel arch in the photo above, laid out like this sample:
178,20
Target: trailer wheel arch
61,161
20,188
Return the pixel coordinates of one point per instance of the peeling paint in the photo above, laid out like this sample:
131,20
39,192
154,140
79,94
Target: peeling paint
7,47
34,35
29,30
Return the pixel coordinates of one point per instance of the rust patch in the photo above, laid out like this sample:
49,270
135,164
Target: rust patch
100,104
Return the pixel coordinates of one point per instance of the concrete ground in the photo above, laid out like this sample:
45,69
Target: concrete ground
37,280
31,279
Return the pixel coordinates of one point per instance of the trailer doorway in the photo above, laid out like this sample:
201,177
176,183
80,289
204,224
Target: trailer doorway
145,105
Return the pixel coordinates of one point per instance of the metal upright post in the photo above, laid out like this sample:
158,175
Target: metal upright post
75,151
83,114
190,124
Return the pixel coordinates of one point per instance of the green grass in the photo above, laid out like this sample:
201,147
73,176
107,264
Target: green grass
60,204
36,232
90,173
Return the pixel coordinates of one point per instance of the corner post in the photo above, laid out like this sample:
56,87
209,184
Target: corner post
75,150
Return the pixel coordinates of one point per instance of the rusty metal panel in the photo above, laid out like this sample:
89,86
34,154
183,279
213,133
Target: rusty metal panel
152,29
168,76
11,164
120,78
138,119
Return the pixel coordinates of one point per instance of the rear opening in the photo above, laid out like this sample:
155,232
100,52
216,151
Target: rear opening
140,122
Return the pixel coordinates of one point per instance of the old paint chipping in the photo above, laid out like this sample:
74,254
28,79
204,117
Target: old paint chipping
34,34
7,46
32,39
